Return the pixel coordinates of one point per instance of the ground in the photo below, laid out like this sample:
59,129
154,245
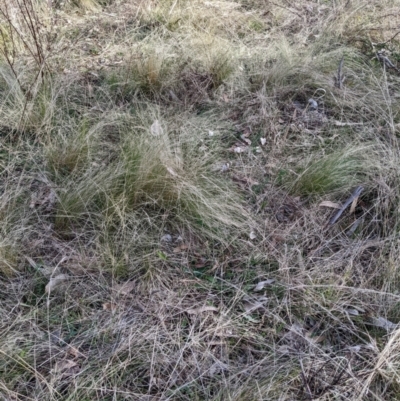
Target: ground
199,200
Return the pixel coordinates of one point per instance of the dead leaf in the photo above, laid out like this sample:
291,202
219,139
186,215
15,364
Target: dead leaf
342,124
156,128
166,238
238,149
74,352
225,168
90,90
202,309
353,312
63,365
55,282
247,181
353,205
247,132
251,319
216,368
66,368
383,323
251,304
201,262
311,337
45,196
260,286
51,200
333,205
172,172
245,139
125,288
157,382
47,271
180,248
284,349
109,306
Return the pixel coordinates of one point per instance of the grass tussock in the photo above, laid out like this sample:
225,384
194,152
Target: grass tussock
169,173
160,171
339,171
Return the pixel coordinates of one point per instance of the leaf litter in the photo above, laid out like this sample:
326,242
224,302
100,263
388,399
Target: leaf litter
262,284
125,288
253,303
156,128
55,282
202,309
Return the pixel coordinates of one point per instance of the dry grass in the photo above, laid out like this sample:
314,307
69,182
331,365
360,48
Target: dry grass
166,189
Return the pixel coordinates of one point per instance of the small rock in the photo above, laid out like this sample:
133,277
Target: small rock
313,105
166,238
225,168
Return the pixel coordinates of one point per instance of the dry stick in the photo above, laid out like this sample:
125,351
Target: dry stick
5,48
384,43
353,196
340,78
286,8
305,382
34,28
27,98
6,16
10,62
386,61
29,17
354,227
14,28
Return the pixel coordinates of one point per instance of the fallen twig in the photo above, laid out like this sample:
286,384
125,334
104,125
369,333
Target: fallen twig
341,124
384,43
354,227
340,78
305,382
356,193
385,60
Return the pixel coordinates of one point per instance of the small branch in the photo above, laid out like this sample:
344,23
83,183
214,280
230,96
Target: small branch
305,383
286,8
340,77
356,193
354,227
386,61
10,60
384,43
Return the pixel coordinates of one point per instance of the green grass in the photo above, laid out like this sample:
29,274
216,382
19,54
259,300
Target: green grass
339,171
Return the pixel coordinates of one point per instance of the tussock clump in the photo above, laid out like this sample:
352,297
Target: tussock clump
152,71
68,153
160,171
186,70
339,171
